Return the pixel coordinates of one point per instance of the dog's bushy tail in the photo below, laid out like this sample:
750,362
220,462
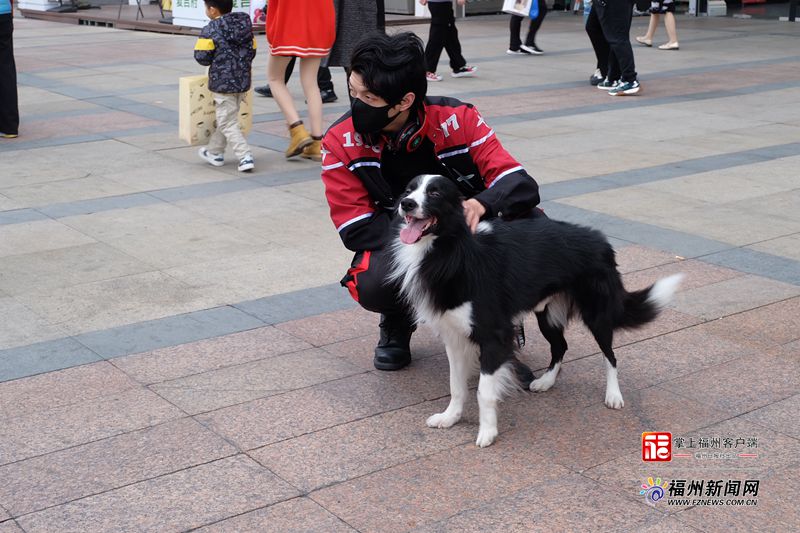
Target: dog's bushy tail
641,307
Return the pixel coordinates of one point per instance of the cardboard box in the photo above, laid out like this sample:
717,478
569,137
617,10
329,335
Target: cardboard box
197,114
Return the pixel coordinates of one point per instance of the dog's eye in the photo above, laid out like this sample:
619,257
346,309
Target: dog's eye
434,194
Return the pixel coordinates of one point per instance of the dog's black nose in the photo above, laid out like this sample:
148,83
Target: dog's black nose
408,204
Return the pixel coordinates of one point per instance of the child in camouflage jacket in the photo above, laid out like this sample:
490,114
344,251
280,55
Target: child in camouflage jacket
227,45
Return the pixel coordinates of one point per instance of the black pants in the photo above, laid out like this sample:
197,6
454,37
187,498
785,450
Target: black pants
323,75
515,25
9,109
599,43
615,20
444,35
366,281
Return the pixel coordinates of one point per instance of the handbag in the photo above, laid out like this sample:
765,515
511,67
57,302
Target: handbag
197,117
521,8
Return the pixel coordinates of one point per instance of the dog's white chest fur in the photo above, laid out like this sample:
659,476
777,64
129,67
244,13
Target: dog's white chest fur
453,323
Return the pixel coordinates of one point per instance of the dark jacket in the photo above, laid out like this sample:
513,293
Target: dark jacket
361,200
228,45
354,20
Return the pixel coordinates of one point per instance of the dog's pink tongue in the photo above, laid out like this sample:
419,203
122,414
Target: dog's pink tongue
412,232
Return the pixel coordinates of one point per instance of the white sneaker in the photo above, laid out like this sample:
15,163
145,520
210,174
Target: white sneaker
519,52
432,76
213,159
246,164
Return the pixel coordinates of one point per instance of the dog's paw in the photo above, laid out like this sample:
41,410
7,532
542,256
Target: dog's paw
543,383
441,420
486,437
614,400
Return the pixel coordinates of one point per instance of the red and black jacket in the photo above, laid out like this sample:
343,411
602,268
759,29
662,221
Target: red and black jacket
361,202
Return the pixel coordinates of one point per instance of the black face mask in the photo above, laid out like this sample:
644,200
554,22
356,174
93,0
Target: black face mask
368,119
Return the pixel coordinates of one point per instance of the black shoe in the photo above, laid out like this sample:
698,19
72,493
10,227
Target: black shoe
393,351
264,91
328,96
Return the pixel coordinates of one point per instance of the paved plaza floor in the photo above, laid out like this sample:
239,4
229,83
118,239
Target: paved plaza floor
176,353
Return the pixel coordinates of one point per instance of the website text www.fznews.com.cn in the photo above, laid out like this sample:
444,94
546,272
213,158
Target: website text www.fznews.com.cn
712,502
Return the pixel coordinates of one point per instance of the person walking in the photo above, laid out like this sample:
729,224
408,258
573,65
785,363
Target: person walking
304,29
615,20
9,108
226,45
658,8
444,35
323,82
599,45
515,26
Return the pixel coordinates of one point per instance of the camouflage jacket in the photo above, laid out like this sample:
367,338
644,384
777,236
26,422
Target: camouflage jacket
228,45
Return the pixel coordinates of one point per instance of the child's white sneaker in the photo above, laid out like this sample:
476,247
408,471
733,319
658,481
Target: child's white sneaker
212,159
246,163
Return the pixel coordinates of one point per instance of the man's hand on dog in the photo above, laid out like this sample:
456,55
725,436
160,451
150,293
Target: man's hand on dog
473,211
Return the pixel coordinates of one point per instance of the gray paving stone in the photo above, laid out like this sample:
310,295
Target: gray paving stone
18,216
64,267
169,331
37,236
43,357
203,190
760,263
299,304
85,207
680,243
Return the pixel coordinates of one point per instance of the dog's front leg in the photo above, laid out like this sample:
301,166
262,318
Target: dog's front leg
462,361
487,408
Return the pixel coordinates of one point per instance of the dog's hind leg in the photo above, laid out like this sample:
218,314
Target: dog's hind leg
558,346
603,333
463,361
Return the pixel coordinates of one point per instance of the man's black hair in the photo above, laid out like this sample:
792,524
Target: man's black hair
391,66
224,6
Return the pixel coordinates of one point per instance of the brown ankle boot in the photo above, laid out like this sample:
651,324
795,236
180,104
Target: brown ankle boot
313,151
299,139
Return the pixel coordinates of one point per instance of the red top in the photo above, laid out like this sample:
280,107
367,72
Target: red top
302,28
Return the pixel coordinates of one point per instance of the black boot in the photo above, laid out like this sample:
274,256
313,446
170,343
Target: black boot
393,351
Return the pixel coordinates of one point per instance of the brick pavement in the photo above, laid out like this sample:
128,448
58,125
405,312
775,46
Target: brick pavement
175,352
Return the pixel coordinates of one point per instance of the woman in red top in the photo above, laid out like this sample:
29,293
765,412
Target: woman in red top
305,29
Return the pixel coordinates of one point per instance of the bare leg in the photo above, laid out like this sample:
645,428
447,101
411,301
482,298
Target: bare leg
653,26
308,78
672,31
276,70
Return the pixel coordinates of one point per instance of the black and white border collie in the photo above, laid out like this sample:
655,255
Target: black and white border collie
473,288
